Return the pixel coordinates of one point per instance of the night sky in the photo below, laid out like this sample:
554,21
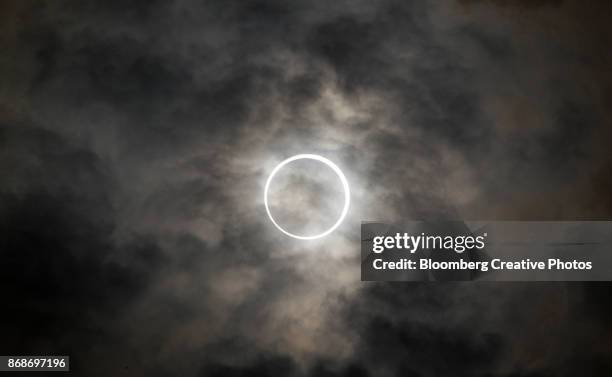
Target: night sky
136,137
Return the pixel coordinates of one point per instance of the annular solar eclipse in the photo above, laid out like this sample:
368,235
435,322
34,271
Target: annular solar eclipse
345,186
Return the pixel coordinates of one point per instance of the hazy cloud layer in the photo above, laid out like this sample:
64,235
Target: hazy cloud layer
136,137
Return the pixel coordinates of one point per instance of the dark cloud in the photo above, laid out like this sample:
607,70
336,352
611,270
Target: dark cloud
135,138
65,283
517,3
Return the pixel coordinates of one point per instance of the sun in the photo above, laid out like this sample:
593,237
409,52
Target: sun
345,186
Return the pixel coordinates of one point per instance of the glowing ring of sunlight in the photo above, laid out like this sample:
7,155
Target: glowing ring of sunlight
335,168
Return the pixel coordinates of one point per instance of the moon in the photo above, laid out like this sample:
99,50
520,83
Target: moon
345,186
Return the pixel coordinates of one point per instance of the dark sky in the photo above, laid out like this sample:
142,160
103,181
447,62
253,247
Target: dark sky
136,137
